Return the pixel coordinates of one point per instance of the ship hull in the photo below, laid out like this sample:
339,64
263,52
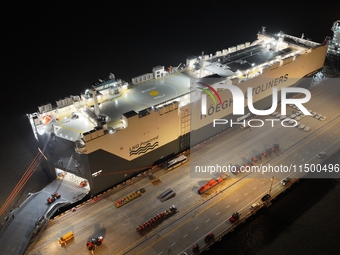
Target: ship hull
158,136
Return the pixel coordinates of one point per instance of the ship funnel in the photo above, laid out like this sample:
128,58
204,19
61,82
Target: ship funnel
95,101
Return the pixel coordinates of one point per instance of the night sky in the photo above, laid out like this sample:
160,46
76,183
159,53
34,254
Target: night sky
60,48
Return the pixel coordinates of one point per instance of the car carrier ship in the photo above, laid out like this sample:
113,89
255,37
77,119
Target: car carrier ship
122,128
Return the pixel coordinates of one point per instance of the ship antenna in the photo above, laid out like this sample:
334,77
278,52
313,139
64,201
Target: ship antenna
95,101
202,63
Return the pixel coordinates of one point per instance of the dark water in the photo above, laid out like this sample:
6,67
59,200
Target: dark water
57,49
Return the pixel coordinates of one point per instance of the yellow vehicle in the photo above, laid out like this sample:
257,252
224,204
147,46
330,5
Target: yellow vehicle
65,238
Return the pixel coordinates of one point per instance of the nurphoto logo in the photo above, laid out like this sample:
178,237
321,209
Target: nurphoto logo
238,99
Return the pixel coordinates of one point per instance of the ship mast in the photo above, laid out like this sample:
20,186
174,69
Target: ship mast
202,64
95,100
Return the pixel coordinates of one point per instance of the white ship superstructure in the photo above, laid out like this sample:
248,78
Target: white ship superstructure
333,53
117,126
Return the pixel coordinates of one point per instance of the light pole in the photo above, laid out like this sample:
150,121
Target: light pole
271,185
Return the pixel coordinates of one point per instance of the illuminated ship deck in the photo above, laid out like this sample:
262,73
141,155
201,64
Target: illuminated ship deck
73,119
77,115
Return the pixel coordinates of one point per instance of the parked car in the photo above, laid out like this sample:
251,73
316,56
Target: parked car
209,237
291,121
321,154
254,206
285,181
265,198
302,126
195,248
234,217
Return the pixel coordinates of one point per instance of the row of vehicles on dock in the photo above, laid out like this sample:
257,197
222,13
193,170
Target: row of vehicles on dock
91,244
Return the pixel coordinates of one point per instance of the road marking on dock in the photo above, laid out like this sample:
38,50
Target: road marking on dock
227,206
330,136
306,152
196,228
217,213
185,236
207,220
262,182
160,253
303,159
325,139
295,155
173,244
237,200
255,188
246,194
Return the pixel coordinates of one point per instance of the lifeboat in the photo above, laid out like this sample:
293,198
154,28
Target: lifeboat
46,119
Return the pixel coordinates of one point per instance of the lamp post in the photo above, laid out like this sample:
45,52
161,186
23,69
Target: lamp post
271,185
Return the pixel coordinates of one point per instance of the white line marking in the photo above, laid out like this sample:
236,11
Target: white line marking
325,139
237,200
207,220
173,244
246,194
196,228
295,155
185,236
218,213
306,152
255,188
160,253
227,206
